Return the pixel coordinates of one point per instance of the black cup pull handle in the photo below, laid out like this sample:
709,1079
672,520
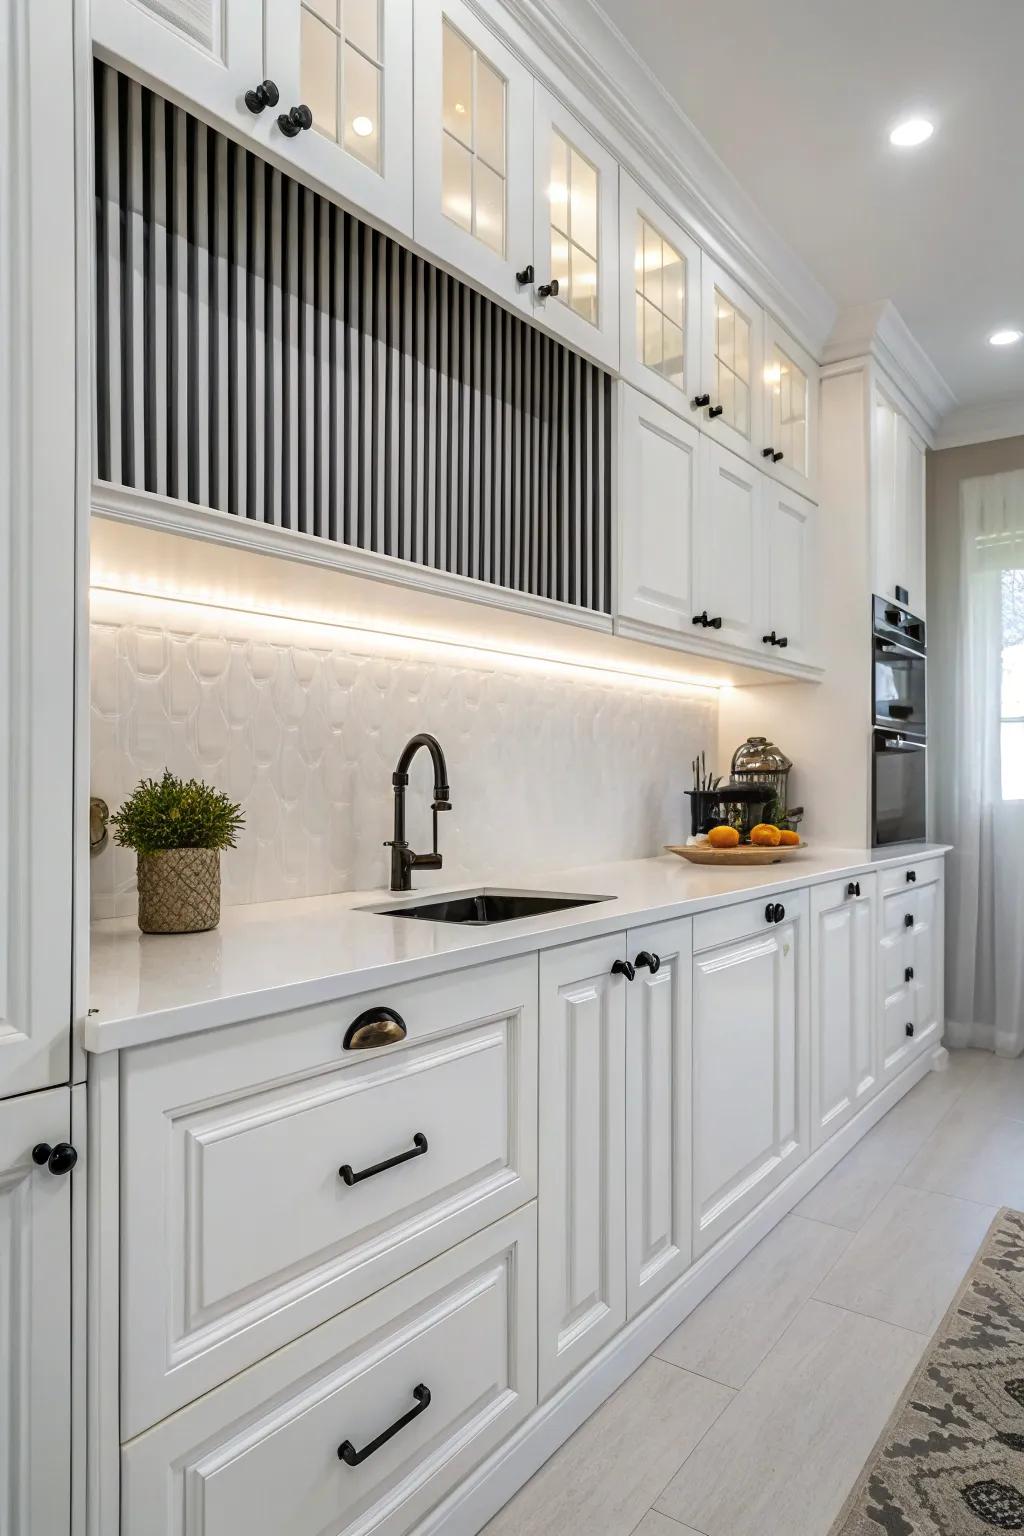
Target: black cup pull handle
700,401
353,1458
525,275
653,962
716,410
419,1146
769,913
373,1028
292,122
782,642
548,290
623,968
779,912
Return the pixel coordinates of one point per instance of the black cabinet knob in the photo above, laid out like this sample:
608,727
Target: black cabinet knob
266,94
653,962
910,1029
777,457
525,275
716,410
769,913
59,1159
853,889
548,290
623,968
782,642
766,453
911,876
908,974
292,122
700,401
908,921
769,639
779,912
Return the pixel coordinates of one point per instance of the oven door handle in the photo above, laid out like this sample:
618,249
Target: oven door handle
899,744
884,645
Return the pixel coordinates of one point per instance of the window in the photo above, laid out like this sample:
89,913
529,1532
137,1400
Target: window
572,194
732,364
341,73
660,304
472,142
1011,729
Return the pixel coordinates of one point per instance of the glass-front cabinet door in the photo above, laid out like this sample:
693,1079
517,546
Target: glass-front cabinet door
473,150
659,300
576,234
790,428
349,64
730,398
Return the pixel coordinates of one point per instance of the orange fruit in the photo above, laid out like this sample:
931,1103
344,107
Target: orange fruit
789,839
723,837
765,836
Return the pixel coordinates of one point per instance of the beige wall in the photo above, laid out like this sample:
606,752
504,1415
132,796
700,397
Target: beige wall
945,470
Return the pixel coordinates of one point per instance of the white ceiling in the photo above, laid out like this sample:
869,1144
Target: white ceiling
797,98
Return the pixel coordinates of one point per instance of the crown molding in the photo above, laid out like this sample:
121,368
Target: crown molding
583,59
880,332
984,423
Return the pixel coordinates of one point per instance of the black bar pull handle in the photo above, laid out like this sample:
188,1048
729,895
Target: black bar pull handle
653,962
419,1146
353,1458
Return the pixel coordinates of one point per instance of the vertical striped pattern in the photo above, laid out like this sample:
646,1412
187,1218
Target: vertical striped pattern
263,352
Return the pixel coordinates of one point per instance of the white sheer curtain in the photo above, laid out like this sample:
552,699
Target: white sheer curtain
985,907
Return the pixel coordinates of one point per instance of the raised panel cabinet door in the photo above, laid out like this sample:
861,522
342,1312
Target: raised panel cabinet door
35,1318
37,544
927,958
727,540
789,575
206,53
897,971
659,300
888,522
350,63
582,1155
750,1064
844,1016
658,1154
657,499
576,233
473,151
732,363
911,466
789,451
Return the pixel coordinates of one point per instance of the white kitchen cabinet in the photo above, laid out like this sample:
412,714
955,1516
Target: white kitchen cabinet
789,451
845,1067
576,232
443,1359
37,546
750,1057
658,500
581,1300
911,963
658,1053
473,150
731,395
898,503
659,300
787,573
351,63
35,1316
727,582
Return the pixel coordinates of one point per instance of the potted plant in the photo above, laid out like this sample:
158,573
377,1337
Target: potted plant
177,830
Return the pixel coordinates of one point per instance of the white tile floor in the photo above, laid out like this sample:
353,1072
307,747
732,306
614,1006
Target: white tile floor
755,1417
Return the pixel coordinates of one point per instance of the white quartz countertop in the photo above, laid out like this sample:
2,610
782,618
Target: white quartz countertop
281,955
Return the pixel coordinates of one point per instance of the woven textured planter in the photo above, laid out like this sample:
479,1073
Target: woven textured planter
179,890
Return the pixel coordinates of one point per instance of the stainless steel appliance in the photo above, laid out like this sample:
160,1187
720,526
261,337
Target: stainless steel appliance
899,773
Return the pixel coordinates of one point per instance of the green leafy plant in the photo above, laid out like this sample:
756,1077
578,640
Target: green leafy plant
169,813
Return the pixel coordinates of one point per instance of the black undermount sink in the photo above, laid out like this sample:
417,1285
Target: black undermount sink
478,908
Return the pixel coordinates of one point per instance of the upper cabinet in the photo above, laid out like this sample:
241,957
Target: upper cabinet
658,493
790,423
343,69
576,232
474,174
898,503
659,300
730,396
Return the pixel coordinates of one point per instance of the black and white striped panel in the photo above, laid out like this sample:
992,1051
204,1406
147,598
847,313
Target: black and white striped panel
263,352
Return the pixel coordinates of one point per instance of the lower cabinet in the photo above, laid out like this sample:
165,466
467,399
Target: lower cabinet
35,1316
750,1057
362,1424
845,1067
911,961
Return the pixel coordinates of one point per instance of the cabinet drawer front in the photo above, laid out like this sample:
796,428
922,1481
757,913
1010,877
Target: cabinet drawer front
262,1454
728,924
924,872
245,1231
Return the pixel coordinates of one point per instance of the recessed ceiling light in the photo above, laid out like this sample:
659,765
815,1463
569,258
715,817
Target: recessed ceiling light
363,126
912,132
1005,338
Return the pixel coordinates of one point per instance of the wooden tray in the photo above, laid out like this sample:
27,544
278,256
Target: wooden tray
703,853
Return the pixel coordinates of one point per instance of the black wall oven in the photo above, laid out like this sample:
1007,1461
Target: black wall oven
899,773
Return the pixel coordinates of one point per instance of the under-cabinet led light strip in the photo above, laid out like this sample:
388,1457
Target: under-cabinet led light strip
114,599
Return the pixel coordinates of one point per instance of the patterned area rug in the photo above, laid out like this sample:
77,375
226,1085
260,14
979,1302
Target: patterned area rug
950,1461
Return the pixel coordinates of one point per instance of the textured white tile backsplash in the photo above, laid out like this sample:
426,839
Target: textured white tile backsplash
304,728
